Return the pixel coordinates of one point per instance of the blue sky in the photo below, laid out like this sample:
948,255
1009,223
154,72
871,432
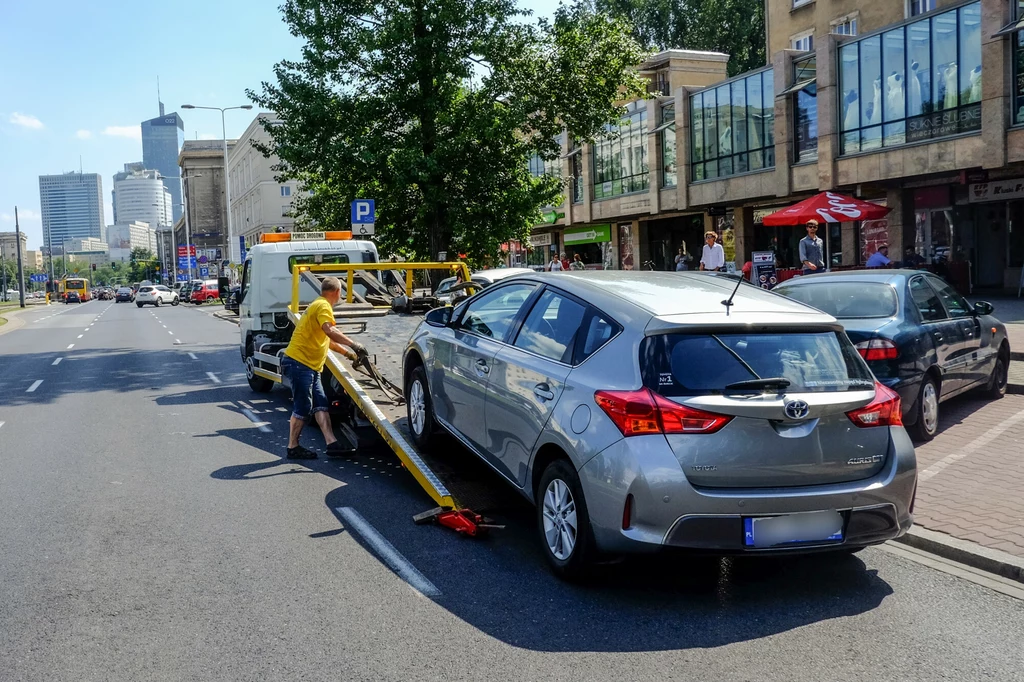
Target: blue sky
77,78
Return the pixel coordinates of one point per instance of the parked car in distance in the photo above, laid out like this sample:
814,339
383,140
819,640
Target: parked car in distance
72,297
231,304
189,287
124,295
205,291
918,335
634,410
155,295
443,291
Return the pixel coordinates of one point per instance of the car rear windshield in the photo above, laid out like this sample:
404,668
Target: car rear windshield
701,364
846,300
146,289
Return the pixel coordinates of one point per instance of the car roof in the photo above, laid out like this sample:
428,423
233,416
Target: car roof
500,273
882,275
668,295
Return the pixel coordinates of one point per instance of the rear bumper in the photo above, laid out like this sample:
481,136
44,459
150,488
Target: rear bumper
668,511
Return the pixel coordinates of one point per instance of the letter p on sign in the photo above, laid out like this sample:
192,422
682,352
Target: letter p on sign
362,217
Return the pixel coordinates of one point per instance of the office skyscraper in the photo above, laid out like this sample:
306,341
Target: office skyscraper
72,207
162,138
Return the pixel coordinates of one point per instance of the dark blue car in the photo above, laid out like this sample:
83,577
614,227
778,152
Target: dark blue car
918,335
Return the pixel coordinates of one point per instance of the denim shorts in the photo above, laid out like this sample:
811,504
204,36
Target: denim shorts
307,389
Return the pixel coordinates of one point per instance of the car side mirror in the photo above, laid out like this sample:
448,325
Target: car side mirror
439,317
984,308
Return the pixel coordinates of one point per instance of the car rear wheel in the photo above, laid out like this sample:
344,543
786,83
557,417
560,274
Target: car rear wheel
257,383
139,305
420,409
158,302
563,521
996,387
927,424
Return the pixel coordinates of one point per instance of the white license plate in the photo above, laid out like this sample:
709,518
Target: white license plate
769,531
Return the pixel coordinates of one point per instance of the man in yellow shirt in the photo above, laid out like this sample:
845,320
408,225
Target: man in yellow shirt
303,363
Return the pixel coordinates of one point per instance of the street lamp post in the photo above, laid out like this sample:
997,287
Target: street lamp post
233,249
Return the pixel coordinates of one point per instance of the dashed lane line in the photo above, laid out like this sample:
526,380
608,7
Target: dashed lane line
70,346
387,552
56,362
263,426
34,386
213,377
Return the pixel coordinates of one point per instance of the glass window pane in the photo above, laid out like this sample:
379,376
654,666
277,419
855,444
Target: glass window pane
849,85
755,130
807,123
710,126
894,56
925,300
870,138
894,134
871,81
1017,106
724,122
954,303
851,142
944,45
711,169
919,84
697,126
768,97
970,54
739,116
756,160
492,314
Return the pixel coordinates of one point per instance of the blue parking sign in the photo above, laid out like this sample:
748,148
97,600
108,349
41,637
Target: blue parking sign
363,216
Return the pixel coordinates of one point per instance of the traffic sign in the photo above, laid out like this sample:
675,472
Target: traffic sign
204,272
363,217
187,250
39,278
182,278
186,262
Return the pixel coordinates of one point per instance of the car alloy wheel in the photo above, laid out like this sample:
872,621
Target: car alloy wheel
560,526
927,424
417,408
996,388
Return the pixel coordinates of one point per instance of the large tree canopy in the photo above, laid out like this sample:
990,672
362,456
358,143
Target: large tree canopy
434,107
735,27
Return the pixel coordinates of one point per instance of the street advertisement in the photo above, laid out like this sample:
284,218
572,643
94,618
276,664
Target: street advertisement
763,274
626,246
873,233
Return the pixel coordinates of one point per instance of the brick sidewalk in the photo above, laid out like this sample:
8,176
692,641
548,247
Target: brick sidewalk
971,476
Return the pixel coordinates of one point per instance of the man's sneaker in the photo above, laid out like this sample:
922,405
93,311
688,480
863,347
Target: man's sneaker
339,448
300,453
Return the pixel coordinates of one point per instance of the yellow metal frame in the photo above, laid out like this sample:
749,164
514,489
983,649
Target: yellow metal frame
350,269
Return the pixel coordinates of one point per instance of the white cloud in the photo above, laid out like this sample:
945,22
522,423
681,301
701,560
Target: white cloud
26,121
83,134
132,132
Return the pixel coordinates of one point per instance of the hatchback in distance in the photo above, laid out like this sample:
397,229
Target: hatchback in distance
155,295
638,412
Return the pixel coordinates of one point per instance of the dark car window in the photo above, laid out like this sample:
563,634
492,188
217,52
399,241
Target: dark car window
926,301
698,364
551,327
955,304
846,300
597,331
492,313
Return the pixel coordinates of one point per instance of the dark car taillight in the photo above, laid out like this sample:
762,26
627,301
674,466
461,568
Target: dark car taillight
638,413
877,349
884,409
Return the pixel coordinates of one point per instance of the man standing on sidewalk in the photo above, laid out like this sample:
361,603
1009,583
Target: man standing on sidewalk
812,250
304,361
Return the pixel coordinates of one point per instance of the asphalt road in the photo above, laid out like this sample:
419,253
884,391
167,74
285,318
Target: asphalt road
149,529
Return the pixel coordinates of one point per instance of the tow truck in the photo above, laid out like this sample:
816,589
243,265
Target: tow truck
281,276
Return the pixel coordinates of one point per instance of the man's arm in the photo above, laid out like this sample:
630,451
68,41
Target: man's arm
340,342
803,252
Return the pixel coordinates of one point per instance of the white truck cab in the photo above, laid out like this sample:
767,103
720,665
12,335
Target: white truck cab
266,290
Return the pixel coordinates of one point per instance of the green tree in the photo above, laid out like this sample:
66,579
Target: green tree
141,265
735,27
434,107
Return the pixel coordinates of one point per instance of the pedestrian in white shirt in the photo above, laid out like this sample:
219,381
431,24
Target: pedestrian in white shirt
713,255
555,265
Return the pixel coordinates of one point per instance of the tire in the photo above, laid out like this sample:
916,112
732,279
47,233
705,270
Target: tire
569,550
257,383
139,304
158,302
927,411
996,387
420,409
175,301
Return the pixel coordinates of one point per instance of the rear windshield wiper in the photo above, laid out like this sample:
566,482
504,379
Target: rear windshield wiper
768,382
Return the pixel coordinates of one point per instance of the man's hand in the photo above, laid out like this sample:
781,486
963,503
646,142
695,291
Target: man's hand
359,349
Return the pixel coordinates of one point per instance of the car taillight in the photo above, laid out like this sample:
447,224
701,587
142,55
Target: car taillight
877,349
637,413
884,410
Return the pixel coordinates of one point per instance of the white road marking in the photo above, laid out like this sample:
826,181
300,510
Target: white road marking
170,332
2,424
387,552
164,326
177,342
88,328
261,425
71,346
213,377
56,362
81,335
974,445
34,386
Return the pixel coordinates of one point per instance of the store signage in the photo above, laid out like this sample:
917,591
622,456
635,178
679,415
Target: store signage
593,234
308,236
763,264
551,216
716,211
944,123
760,213
997,190
540,239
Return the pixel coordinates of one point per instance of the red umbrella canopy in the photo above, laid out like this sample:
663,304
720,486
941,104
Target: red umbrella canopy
827,207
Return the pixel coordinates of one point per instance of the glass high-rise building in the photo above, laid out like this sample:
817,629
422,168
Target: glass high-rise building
72,207
162,138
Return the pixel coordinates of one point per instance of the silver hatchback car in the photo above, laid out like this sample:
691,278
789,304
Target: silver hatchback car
638,411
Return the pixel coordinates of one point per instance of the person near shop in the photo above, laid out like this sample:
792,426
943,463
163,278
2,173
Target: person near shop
683,259
812,249
912,259
577,263
555,265
712,255
880,258
565,261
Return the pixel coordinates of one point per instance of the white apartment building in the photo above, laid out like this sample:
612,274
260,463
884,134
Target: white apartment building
123,238
259,203
142,197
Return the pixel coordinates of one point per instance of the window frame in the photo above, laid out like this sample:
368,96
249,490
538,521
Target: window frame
935,283
590,311
664,129
796,38
797,78
615,155
513,328
909,8
286,191
913,302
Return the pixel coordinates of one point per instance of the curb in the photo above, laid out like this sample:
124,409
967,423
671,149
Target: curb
233,318
1016,355
964,552
12,319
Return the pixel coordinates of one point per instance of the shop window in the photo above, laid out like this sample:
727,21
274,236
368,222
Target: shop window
1014,28
917,82
915,7
733,127
620,162
667,137
805,108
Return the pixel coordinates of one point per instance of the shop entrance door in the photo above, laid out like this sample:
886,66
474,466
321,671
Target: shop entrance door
991,245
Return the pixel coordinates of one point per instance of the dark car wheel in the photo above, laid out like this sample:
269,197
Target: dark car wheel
927,411
420,409
257,383
996,387
563,522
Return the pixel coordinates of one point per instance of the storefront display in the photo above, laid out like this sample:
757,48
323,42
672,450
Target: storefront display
592,243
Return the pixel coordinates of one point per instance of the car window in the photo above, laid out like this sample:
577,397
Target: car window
845,300
162,288
926,301
597,332
444,286
146,289
955,304
493,313
551,327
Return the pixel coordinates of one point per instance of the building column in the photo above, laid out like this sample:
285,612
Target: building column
828,112
849,244
654,156
782,77
743,234
682,149
901,222
996,83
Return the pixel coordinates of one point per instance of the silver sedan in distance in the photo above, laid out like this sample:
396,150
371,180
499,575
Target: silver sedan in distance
638,411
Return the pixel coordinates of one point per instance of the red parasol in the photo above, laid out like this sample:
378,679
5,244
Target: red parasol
827,207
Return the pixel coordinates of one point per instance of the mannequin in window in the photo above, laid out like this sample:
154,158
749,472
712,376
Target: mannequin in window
895,107
975,94
949,101
725,141
914,90
874,113
851,120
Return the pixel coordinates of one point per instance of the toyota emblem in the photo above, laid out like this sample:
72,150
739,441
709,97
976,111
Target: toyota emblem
797,409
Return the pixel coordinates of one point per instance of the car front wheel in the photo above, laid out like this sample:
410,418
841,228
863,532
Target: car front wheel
996,387
139,305
420,409
927,424
563,521
174,301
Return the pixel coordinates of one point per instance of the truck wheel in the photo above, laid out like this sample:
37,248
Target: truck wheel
420,409
257,383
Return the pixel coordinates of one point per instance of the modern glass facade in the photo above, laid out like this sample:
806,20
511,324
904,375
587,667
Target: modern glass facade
540,166
620,162
1017,40
667,130
72,207
916,82
732,127
162,139
805,109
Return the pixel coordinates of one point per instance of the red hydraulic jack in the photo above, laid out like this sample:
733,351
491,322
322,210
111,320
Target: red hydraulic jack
463,521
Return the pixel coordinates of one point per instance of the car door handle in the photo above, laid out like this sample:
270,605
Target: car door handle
937,336
544,392
481,367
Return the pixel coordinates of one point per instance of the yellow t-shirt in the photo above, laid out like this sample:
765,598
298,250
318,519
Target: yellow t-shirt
309,344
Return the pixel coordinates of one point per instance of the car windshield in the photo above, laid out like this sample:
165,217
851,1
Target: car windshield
146,289
700,364
845,300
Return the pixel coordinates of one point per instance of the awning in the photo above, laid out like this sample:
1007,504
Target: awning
574,152
797,87
1012,27
664,126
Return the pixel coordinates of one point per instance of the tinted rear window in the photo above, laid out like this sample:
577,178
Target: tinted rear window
700,364
846,300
